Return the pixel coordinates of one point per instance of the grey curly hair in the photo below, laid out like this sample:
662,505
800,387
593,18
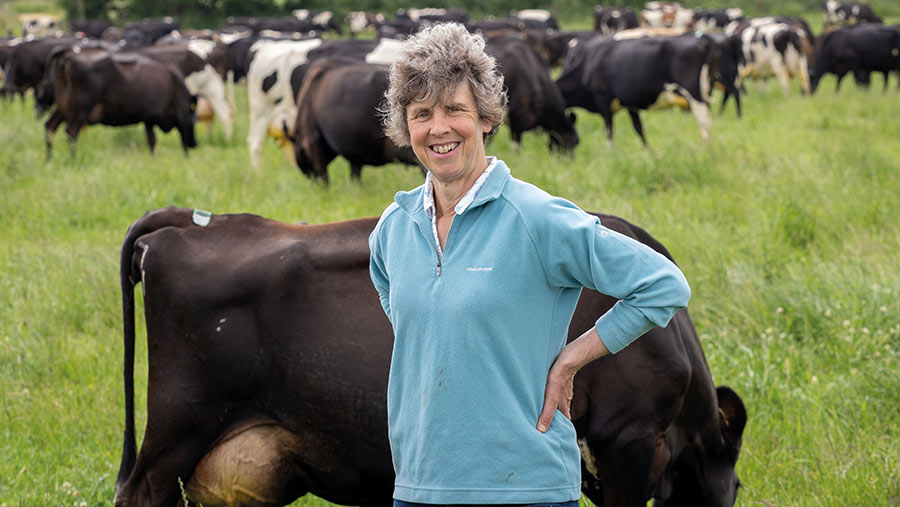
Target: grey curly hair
430,65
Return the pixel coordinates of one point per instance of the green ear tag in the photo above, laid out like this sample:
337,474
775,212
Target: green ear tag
201,217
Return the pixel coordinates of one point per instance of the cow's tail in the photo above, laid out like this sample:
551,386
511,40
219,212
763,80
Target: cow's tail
149,222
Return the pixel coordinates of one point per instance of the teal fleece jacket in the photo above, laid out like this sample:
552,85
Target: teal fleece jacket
475,336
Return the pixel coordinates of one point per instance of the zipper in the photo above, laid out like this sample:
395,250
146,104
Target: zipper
439,267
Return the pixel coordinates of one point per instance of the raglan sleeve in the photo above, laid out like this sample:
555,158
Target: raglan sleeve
577,250
377,267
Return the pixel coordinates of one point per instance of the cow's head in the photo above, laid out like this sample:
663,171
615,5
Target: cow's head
704,475
564,137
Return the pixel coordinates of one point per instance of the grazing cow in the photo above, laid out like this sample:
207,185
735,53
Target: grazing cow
269,91
604,75
268,363
541,19
609,20
848,13
715,20
96,86
194,60
359,21
667,15
858,49
774,48
26,61
337,114
534,99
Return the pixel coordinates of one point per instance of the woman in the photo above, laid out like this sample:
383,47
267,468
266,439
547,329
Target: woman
479,274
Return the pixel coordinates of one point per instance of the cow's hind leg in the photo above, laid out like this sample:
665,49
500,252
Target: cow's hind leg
151,136
638,126
355,171
72,130
50,128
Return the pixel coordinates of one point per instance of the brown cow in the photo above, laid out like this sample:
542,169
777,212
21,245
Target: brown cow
95,86
268,363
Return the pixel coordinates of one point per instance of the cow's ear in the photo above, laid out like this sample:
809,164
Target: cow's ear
732,415
572,119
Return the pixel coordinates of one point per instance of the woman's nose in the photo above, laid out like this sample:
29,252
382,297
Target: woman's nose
439,125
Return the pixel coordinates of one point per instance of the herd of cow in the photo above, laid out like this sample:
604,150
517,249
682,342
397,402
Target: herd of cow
153,74
261,386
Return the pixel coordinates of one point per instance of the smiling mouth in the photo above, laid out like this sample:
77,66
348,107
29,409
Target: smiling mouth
444,148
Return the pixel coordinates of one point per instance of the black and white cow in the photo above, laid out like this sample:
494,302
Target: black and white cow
276,71
772,47
848,13
859,50
360,21
609,20
604,75
541,19
667,15
434,15
40,25
715,20
323,21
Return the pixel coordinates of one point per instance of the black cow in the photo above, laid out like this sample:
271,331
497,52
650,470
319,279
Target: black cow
729,64
92,28
848,13
608,20
400,28
96,86
558,44
858,49
25,65
268,362
534,99
603,75
44,92
148,31
337,114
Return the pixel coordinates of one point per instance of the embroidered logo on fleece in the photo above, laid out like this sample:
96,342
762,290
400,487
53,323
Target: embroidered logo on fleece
480,268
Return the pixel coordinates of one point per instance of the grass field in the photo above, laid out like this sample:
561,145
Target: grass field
786,225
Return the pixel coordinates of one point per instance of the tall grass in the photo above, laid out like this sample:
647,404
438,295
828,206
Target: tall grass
786,225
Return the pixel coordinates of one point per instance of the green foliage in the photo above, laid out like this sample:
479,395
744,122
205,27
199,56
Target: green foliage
784,224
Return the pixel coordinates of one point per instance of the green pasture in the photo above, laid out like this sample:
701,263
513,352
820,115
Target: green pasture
785,223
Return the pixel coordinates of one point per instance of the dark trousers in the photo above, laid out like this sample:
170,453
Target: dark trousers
573,503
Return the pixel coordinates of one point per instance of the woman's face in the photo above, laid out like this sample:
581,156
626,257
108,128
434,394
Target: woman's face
447,136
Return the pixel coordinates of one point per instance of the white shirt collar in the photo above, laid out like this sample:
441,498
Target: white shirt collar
463,204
